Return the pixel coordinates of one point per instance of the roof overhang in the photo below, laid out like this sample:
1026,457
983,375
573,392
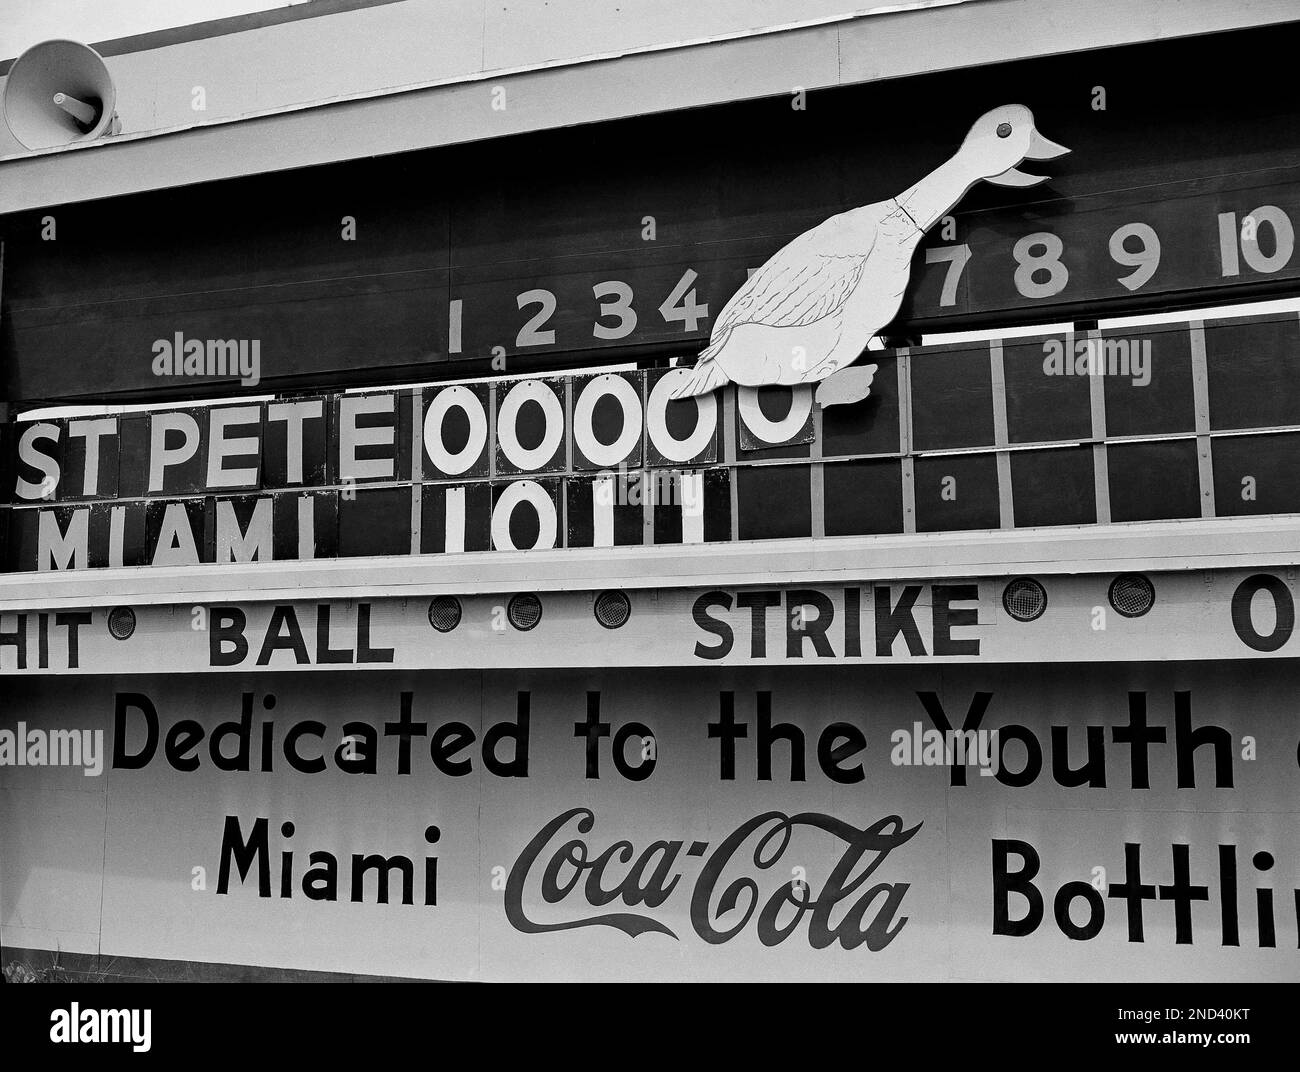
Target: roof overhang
835,51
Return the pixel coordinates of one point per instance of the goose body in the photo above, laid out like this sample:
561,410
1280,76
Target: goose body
801,317
810,310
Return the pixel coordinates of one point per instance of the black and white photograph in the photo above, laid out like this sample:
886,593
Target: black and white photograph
637,491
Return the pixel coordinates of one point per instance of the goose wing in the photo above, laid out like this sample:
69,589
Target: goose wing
803,282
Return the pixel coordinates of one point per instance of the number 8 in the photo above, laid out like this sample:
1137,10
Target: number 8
1048,261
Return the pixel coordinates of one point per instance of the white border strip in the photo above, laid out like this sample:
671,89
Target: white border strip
1249,542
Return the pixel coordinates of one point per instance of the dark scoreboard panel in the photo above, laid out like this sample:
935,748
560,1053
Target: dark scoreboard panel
1094,253
582,246
1167,423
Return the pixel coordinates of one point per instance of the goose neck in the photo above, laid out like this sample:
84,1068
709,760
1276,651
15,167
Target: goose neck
929,200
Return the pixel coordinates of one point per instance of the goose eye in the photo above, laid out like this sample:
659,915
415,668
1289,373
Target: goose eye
1004,130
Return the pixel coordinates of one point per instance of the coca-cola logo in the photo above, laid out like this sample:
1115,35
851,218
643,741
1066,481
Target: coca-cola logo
724,898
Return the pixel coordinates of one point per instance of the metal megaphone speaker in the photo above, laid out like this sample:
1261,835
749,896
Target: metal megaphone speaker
58,93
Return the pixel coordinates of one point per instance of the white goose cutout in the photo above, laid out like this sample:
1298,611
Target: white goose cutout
810,310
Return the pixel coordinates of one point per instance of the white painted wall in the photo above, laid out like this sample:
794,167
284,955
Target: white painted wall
413,42
325,89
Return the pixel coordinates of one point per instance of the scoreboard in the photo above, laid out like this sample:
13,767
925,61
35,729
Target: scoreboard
566,249
1163,423
506,738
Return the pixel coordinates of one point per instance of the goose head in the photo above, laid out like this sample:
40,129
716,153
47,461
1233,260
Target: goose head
1002,139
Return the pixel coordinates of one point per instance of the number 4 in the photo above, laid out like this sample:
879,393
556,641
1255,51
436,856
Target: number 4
689,311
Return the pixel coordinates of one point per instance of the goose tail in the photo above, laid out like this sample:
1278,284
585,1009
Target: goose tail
705,377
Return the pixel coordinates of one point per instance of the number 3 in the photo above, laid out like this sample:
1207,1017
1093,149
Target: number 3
620,307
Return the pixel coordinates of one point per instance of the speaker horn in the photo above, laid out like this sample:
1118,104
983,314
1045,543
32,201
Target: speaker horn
58,93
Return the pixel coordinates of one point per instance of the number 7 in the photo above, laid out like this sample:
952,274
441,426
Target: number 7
956,256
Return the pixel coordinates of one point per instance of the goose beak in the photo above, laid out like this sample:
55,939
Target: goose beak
1040,148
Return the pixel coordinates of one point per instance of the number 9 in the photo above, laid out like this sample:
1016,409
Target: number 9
1144,262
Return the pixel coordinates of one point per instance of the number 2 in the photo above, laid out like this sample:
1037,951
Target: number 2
529,334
